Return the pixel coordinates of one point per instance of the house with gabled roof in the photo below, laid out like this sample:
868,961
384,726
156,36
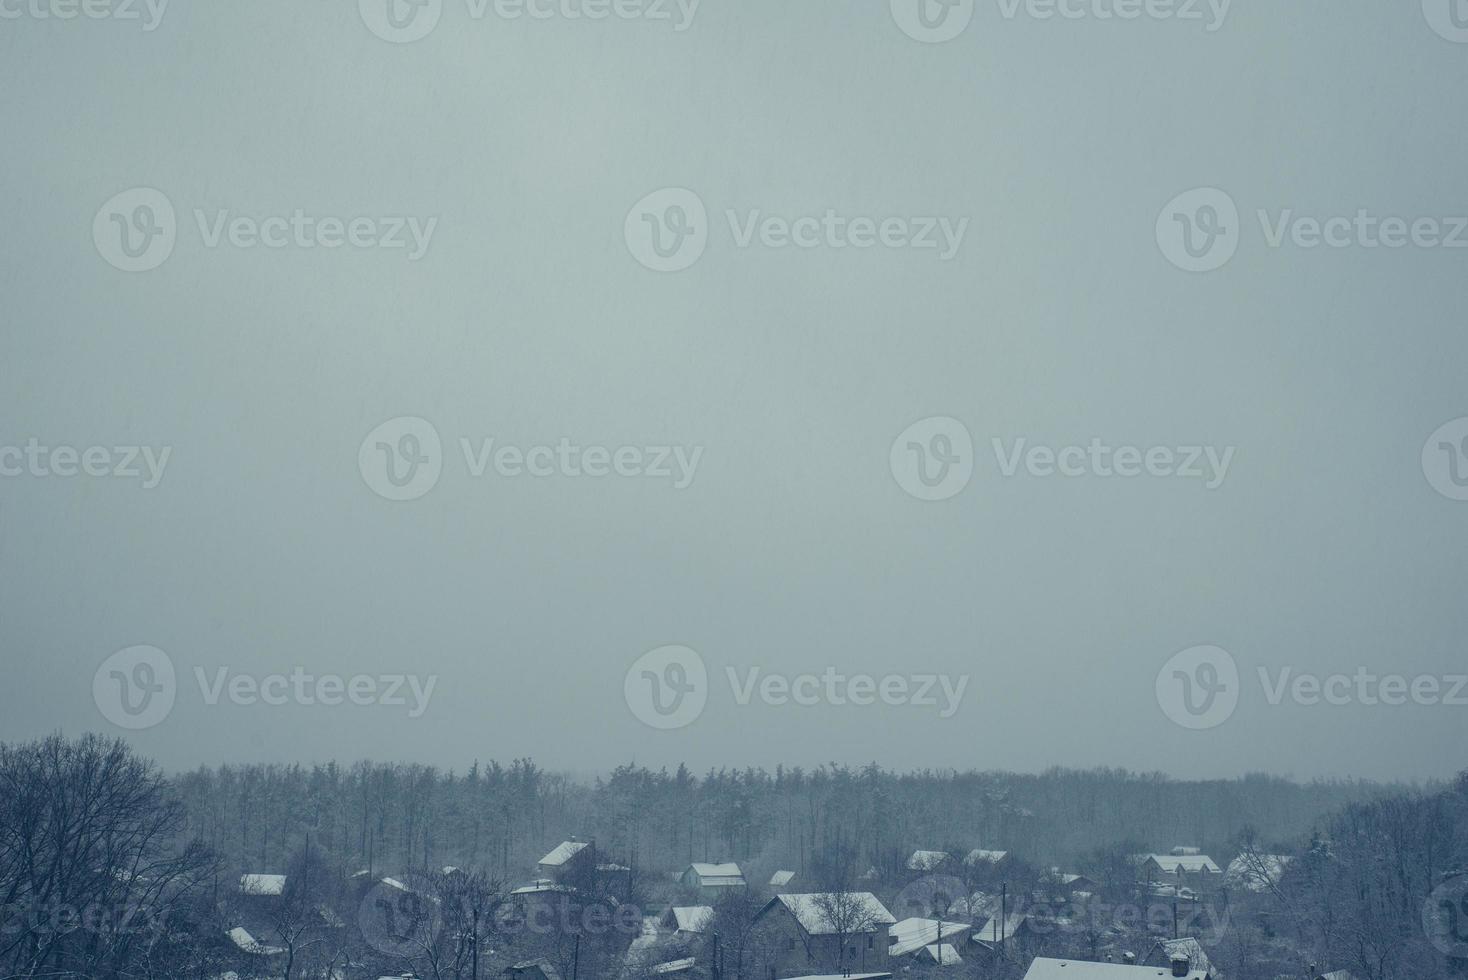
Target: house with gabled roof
565,859
1166,951
926,860
1045,968
836,930
913,934
712,879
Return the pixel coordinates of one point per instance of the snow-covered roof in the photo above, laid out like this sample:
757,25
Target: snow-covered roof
717,875
1167,950
562,853
813,911
926,860
994,930
692,918
262,884
911,935
1257,872
1188,863
1044,968
536,887
675,966
781,878
241,937
944,955
980,854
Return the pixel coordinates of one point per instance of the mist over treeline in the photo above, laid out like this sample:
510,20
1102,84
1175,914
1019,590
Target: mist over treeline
504,816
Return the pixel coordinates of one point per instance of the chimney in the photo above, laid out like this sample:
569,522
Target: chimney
1181,964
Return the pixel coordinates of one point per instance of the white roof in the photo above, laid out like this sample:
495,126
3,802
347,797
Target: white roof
813,916
262,884
675,966
911,935
781,878
1190,863
562,853
1257,872
1162,954
692,918
718,874
926,860
980,854
944,955
992,933
536,887
249,944
1047,969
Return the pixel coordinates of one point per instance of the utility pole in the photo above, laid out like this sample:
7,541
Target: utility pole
576,958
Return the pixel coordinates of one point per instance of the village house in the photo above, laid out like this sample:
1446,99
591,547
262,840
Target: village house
688,920
782,879
927,860
980,856
712,879
1044,968
840,930
566,860
1197,871
1167,951
537,969
1256,872
914,934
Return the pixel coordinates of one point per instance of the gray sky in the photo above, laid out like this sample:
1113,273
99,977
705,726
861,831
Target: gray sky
529,319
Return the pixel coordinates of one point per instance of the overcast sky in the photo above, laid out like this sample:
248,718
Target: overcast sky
1054,313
